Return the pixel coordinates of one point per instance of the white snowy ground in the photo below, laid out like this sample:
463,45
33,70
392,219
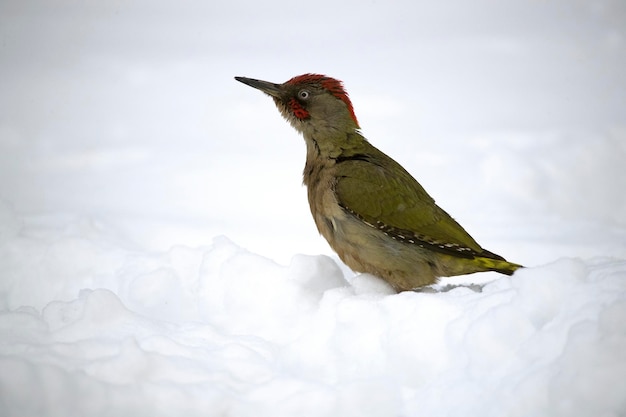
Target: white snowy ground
157,256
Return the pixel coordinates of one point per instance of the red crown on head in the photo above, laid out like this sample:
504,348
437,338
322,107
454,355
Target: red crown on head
333,86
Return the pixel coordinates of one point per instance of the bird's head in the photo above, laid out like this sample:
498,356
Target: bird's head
312,103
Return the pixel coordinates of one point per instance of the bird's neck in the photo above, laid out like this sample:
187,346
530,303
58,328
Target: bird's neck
323,151
331,144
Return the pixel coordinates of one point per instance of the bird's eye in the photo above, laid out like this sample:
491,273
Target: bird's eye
304,94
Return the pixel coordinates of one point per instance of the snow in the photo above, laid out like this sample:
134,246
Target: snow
220,330
157,255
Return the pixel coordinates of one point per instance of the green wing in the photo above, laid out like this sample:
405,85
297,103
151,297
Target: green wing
375,188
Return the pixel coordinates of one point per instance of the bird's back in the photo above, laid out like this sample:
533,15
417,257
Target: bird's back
380,220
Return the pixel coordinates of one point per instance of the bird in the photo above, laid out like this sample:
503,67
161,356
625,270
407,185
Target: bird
373,213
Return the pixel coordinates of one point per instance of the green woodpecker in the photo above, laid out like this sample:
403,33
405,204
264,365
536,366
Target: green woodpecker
371,211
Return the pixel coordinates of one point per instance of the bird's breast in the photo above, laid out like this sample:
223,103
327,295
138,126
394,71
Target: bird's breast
319,178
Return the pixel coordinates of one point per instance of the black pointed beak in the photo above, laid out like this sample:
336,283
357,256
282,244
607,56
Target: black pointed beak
271,89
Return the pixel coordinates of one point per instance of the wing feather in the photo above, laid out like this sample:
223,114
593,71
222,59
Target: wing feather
375,188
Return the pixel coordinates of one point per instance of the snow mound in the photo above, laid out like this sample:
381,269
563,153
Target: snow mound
93,328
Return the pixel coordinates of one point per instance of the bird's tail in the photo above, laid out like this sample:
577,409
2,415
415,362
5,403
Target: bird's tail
498,264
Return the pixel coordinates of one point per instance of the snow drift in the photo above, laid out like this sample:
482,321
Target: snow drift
218,330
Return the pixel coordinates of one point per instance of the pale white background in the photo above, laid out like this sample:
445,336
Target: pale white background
153,225
127,111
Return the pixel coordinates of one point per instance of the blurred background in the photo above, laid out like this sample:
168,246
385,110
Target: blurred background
122,118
